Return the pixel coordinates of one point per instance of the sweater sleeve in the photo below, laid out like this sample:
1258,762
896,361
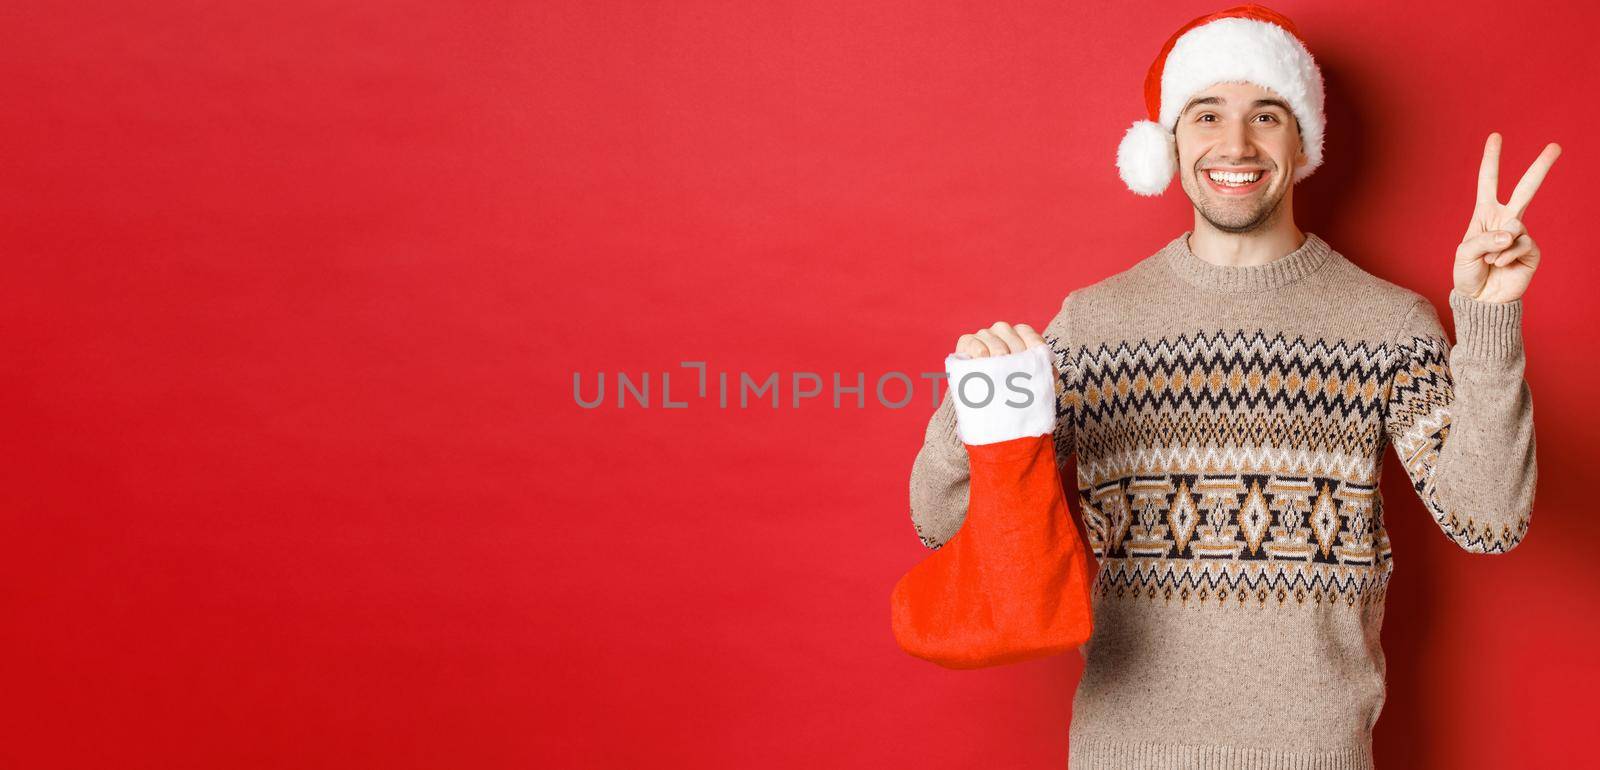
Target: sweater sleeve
941,473
1461,420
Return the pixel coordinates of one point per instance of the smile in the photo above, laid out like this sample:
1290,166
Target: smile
1235,182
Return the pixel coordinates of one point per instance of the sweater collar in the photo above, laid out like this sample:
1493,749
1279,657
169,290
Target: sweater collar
1278,273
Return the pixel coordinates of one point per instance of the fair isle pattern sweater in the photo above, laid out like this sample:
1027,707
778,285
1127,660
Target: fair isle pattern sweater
1229,426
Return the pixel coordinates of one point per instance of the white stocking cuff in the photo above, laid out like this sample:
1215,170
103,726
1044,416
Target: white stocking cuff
1000,398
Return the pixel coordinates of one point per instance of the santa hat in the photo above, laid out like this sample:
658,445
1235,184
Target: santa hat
1248,43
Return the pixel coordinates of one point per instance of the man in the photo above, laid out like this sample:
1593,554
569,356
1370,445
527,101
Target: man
1229,400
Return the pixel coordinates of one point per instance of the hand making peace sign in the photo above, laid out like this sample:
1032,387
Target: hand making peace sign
1497,257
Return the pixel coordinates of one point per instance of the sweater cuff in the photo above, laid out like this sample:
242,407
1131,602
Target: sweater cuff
1000,398
1487,329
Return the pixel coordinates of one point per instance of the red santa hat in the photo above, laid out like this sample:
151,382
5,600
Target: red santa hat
1248,43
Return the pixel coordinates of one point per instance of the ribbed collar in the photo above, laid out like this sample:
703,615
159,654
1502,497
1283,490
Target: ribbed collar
1291,267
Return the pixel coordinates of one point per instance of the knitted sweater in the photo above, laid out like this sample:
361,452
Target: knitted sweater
1229,426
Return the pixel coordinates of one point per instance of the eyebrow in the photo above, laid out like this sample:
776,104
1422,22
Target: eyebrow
1219,100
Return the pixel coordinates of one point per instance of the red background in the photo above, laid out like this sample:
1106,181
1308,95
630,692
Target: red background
294,294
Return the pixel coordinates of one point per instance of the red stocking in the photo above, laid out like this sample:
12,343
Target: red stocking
1013,583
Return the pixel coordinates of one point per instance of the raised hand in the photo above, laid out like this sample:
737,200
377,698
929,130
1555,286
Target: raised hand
1497,256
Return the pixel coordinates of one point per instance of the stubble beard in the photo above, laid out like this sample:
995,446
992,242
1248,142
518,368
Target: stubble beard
1232,218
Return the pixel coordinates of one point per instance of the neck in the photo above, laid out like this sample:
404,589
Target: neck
1257,247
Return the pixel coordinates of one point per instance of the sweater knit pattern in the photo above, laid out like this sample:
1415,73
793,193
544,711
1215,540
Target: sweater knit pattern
1229,426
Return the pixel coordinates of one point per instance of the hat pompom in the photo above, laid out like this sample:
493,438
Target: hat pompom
1147,158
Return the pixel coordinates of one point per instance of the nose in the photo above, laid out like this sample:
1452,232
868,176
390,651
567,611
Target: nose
1236,144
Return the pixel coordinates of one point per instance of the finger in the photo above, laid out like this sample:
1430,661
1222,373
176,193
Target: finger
1529,184
1511,227
1007,335
996,346
1489,170
1478,246
1030,338
971,347
1520,251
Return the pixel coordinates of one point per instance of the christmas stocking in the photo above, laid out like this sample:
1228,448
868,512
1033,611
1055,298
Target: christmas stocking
1013,583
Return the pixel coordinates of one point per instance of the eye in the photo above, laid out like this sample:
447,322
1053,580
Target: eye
1268,116
1205,115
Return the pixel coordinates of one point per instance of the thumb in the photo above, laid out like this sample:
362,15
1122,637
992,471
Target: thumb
1477,246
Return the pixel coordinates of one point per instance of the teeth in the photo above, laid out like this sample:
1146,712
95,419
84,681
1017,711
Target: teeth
1234,179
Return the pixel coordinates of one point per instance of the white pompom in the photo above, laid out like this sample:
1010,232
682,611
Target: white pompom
1147,158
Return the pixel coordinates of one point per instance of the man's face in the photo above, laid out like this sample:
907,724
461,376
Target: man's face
1250,132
